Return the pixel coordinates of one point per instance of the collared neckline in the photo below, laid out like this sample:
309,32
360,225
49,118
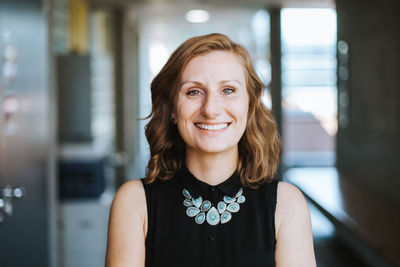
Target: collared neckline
198,188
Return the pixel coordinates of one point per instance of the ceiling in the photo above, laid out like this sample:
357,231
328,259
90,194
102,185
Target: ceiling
230,3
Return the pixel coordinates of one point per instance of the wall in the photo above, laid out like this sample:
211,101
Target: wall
368,148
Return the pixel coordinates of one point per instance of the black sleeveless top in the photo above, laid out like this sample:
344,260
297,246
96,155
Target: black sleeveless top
175,239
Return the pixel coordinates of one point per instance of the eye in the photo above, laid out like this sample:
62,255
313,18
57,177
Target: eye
228,90
193,92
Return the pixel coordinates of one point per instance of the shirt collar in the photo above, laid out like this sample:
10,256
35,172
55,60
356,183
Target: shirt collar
199,188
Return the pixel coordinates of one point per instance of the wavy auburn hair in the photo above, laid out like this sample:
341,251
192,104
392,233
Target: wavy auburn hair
260,146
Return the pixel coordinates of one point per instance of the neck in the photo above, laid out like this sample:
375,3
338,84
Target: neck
212,168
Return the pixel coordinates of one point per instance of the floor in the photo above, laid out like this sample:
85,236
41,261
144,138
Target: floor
330,251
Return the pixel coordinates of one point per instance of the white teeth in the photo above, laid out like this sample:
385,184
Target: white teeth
212,127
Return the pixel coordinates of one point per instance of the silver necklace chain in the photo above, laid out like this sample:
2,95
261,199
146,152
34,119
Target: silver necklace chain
204,211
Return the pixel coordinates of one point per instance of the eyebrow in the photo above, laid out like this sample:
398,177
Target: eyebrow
220,82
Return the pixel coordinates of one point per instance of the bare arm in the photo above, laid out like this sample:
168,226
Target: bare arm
127,227
294,245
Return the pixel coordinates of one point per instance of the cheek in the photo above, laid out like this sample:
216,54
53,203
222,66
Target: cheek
180,110
244,120
244,117
183,107
183,114
243,110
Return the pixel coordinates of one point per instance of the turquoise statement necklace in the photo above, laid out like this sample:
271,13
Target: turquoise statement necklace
204,211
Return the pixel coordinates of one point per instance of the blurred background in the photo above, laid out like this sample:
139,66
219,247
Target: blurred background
75,77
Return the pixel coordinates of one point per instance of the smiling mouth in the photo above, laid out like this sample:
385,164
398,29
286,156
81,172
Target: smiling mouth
212,127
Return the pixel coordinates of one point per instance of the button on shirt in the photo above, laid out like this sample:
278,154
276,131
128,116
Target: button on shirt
175,239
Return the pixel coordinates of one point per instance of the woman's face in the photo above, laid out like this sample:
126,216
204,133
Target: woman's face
212,103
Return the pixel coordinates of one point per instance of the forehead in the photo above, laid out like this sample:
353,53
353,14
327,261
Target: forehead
215,65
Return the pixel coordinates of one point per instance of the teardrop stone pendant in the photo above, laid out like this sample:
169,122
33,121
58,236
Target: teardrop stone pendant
221,207
187,203
233,207
192,211
197,201
213,216
200,218
226,216
241,199
206,205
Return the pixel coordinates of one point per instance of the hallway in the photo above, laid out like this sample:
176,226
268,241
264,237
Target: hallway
75,78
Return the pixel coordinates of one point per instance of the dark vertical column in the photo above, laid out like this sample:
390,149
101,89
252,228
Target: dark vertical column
276,71
119,92
276,82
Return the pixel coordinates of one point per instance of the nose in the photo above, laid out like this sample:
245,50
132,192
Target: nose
211,106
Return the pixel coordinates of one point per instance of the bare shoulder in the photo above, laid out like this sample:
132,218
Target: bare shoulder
130,198
290,201
129,203
130,193
293,228
289,195
127,226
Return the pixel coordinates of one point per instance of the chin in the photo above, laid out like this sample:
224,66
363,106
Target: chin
215,149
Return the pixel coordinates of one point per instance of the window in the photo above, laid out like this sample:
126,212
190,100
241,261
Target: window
309,89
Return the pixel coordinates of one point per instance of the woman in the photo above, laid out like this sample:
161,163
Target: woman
209,198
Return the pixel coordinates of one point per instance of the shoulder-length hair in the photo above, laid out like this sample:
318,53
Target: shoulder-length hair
260,146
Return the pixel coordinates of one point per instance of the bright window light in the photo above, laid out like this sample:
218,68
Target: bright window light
308,26
309,89
197,16
158,55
